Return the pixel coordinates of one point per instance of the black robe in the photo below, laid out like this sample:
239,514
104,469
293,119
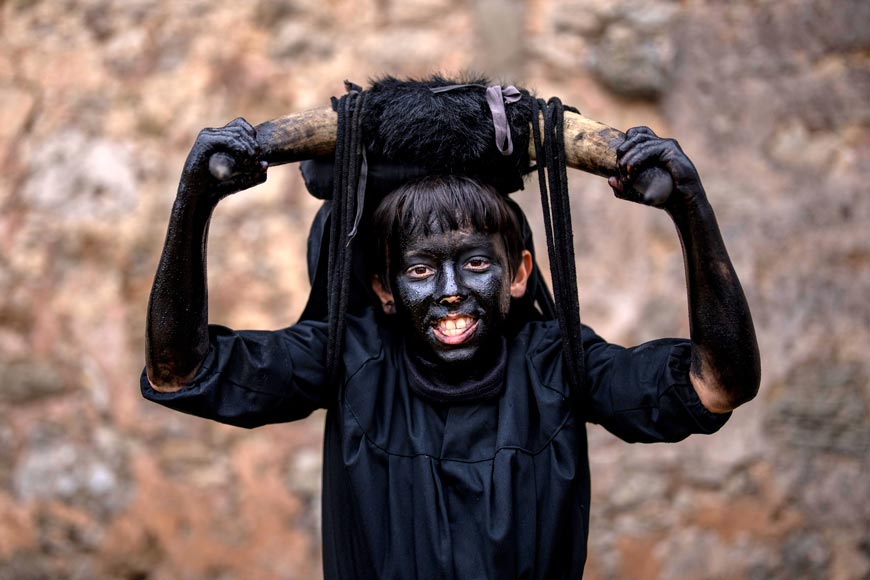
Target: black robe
496,489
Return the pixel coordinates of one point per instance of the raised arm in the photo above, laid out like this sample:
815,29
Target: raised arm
725,369
177,322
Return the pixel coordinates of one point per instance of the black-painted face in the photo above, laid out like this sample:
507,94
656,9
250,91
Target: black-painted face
452,293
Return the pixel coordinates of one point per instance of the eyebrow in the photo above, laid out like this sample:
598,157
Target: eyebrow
487,249
418,253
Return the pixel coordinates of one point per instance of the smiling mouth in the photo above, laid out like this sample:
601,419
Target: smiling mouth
455,329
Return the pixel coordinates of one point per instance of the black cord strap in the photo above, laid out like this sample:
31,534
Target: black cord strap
553,183
347,203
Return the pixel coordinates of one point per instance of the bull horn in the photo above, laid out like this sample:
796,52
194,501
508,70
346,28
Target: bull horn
589,145
293,137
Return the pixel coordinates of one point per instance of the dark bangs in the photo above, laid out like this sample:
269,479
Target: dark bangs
440,204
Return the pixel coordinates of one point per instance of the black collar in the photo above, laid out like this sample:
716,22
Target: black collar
426,380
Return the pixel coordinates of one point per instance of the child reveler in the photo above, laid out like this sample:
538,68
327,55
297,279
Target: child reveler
455,439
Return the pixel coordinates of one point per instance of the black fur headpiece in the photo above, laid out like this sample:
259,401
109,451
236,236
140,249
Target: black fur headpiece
452,132
410,131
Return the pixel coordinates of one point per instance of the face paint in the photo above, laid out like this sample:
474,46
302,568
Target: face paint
453,293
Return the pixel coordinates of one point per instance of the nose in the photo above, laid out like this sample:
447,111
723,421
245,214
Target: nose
448,290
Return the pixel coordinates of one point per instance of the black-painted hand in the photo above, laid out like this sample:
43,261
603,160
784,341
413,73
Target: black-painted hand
640,156
237,139
726,367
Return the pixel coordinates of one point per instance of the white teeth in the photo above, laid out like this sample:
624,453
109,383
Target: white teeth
454,326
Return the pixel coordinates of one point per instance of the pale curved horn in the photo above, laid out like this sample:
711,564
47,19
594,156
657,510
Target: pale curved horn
293,137
589,145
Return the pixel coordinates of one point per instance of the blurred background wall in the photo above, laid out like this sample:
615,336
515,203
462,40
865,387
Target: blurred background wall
100,101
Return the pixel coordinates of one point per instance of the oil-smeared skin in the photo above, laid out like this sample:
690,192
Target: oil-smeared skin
177,321
456,283
726,367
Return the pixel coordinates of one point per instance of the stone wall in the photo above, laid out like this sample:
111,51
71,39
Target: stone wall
99,102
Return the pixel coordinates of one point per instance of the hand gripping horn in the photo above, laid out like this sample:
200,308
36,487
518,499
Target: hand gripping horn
589,146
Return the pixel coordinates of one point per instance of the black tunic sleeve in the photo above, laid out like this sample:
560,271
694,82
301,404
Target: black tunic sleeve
252,378
643,394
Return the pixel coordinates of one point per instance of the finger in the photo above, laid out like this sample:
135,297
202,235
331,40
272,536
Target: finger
642,156
615,184
244,148
231,139
252,179
249,138
630,142
654,186
209,136
243,181
641,130
243,124
252,142
241,154
243,130
622,190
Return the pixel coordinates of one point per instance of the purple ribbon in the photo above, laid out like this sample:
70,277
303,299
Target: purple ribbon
496,98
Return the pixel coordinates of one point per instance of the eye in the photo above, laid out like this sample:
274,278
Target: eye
419,271
477,264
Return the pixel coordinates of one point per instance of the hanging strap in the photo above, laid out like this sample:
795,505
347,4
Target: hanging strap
348,199
553,183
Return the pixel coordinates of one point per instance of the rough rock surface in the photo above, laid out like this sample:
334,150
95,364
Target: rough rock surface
99,102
